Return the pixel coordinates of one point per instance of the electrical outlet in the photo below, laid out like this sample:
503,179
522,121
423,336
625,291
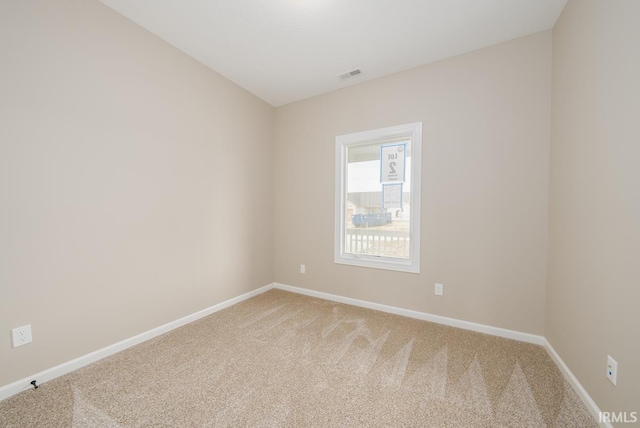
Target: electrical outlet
612,369
21,335
303,269
439,289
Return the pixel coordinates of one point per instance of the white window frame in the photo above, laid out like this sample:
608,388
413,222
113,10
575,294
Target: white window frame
412,131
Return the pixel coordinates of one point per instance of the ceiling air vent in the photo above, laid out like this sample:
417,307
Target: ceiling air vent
349,74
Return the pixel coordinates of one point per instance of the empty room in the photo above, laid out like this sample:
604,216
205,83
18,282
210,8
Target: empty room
319,213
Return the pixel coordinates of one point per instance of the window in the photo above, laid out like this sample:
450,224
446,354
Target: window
378,198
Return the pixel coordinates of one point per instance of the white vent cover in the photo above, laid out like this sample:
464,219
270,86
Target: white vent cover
350,74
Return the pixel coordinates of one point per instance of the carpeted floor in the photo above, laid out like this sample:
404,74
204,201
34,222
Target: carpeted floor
282,359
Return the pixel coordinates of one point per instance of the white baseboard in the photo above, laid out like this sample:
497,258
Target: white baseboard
64,368
575,384
452,322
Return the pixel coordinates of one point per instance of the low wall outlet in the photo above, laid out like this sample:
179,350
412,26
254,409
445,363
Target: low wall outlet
303,269
612,369
21,335
439,289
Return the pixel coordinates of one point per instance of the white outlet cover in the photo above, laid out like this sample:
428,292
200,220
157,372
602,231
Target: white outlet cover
439,289
612,369
303,269
21,335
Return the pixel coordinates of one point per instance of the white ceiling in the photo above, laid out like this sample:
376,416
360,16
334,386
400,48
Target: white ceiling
287,50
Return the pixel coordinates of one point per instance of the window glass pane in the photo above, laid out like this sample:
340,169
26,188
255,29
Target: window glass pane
378,198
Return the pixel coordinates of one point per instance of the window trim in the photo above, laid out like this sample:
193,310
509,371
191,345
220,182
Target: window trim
412,131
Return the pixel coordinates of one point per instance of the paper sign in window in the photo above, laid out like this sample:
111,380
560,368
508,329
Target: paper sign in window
392,160
392,195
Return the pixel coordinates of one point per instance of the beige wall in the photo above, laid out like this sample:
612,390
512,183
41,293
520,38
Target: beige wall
486,128
593,289
135,183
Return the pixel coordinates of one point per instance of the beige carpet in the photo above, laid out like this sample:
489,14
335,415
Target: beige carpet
281,359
